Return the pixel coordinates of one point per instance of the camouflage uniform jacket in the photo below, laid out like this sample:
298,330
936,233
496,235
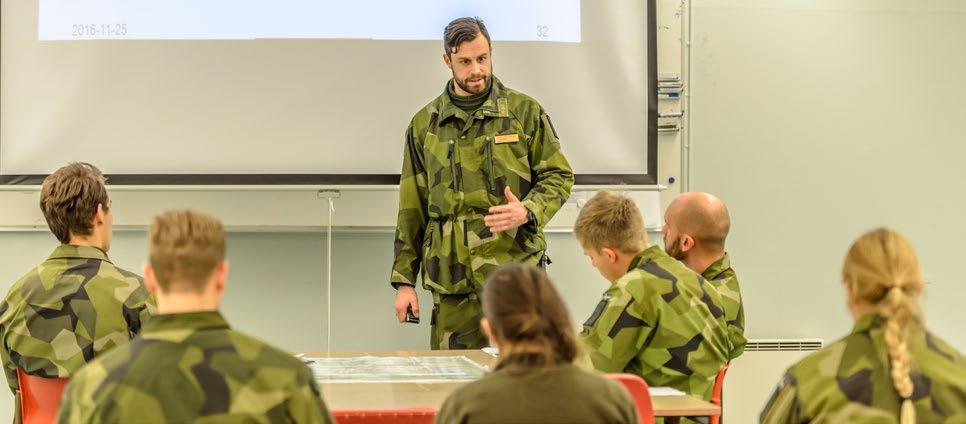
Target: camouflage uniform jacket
63,313
848,381
192,367
723,278
455,167
662,322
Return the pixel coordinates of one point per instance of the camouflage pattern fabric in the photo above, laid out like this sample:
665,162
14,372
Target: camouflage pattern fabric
725,281
660,321
456,323
849,382
192,367
455,167
66,311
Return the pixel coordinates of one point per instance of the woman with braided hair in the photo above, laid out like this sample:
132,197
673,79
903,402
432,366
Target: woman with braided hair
535,380
890,369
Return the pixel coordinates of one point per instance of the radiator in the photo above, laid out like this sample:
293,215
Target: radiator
752,377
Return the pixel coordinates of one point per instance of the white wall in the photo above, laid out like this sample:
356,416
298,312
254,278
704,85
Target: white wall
816,121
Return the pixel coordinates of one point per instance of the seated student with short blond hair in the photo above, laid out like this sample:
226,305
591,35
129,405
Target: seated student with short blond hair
535,380
658,319
188,365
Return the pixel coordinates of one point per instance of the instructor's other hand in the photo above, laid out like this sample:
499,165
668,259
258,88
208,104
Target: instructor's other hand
508,216
406,296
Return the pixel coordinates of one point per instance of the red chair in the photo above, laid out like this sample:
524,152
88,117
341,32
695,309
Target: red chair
716,392
385,416
39,398
639,392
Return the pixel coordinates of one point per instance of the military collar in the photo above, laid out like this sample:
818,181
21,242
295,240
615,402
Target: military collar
867,322
495,105
69,251
717,268
648,254
526,361
194,321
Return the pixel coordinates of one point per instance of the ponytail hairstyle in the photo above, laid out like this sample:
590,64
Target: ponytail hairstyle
525,311
882,269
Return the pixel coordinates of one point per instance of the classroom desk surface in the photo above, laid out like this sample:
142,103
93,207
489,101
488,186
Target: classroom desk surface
339,396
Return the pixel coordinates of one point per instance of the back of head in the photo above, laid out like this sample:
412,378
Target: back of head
69,199
184,247
612,220
462,30
523,309
881,269
702,216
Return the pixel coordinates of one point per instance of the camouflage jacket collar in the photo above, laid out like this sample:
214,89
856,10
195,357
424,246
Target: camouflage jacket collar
867,322
717,268
495,105
193,321
873,320
526,362
648,254
69,251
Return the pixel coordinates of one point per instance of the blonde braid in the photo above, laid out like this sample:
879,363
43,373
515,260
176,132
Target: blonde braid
883,270
895,308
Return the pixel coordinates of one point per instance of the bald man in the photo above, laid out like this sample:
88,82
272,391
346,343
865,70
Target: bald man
695,228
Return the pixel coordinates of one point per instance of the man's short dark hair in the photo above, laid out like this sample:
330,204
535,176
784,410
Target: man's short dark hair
462,30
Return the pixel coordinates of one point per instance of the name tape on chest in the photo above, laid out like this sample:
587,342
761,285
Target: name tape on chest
506,138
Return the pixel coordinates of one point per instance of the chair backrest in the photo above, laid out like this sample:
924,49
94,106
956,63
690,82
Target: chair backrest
639,392
385,416
39,397
716,392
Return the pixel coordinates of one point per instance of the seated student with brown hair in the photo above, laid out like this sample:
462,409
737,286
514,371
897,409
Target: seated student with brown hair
77,303
535,380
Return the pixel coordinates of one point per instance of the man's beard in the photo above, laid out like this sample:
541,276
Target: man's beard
673,249
463,85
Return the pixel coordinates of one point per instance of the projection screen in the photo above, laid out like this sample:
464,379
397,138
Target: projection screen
304,91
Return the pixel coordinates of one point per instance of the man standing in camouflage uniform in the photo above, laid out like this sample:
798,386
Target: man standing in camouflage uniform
188,365
482,175
659,319
76,304
695,228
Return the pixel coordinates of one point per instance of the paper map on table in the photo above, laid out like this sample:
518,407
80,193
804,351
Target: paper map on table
395,369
